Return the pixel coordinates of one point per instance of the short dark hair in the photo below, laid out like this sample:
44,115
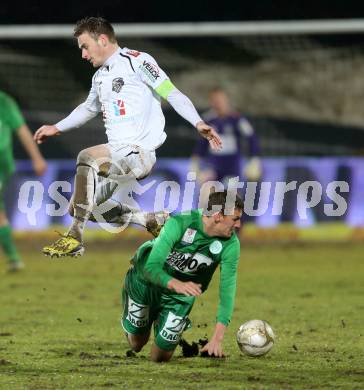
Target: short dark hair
225,201
95,26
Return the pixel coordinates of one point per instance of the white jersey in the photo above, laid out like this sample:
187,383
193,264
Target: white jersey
123,90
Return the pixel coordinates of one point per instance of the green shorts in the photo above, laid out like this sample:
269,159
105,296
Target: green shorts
145,304
4,179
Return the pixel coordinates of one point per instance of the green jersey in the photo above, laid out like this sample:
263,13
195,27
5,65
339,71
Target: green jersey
10,120
185,252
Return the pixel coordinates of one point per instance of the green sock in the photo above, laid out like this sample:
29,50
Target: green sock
7,243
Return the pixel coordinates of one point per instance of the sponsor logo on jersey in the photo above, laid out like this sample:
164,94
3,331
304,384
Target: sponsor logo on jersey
138,314
188,262
189,236
151,70
119,107
173,328
117,84
134,53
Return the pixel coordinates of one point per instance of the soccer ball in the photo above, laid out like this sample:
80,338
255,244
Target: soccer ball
255,338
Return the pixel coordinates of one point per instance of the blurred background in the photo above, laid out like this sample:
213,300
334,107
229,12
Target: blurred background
295,73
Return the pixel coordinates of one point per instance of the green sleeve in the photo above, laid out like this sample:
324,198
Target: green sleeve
228,275
14,117
169,235
165,89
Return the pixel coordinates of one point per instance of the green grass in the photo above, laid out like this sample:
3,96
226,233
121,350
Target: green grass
59,323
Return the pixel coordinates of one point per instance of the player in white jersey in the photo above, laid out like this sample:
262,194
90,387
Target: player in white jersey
127,89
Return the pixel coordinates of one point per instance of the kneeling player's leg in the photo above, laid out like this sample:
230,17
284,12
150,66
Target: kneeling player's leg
137,341
159,355
138,298
170,324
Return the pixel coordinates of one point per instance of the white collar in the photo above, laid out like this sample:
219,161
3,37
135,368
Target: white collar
111,59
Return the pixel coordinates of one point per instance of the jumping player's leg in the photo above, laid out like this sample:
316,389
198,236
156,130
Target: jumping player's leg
102,170
110,210
91,162
129,164
122,215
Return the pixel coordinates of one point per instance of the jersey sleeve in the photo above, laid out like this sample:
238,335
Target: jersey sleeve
79,116
228,275
14,117
169,235
151,74
92,103
82,113
182,105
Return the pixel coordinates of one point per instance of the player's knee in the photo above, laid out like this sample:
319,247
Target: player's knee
160,358
159,355
136,347
84,158
136,343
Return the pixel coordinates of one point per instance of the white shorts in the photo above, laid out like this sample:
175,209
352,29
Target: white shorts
128,163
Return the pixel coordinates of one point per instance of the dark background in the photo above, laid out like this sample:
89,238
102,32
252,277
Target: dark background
68,11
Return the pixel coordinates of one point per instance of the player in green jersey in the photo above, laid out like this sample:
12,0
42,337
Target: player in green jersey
12,122
170,271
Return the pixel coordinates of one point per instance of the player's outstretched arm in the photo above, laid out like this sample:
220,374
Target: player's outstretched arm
78,117
44,132
228,274
185,108
214,346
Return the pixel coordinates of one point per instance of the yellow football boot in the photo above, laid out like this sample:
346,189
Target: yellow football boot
64,246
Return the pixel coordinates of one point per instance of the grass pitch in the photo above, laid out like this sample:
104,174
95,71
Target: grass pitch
59,323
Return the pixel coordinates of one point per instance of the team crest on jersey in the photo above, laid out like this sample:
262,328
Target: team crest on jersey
134,53
189,236
117,84
215,247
